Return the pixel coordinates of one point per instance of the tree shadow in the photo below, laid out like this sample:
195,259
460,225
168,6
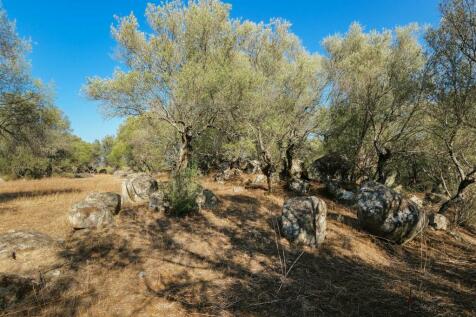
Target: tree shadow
8,196
289,281
21,296
232,261
102,247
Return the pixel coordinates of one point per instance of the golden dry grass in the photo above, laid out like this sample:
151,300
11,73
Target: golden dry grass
232,262
43,204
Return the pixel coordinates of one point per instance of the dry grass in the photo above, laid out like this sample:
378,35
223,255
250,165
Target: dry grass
232,262
42,204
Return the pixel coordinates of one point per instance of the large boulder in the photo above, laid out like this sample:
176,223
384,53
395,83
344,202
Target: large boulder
26,251
332,166
252,167
96,210
385,213
137,188
229,174
18,241
299,186
303,220
341,193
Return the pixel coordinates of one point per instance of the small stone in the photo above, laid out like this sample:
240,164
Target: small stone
238,189
438,222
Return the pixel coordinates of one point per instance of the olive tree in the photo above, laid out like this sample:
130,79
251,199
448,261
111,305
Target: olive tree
286,90
185,73
453,97
21,97
375,84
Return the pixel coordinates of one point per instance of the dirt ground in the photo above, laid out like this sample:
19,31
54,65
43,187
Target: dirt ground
232,261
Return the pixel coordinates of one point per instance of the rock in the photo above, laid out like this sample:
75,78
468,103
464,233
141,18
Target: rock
252,167
434,198
303,220
207,199
391,179
260,179
299,186
26,251
339,193
121,174
20,240
96,210
158,201
111,200
229,174
137,188
438,222
331,166
417,201
385,213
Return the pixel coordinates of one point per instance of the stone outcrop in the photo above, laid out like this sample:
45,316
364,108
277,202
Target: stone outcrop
303,220
385,213
96,210
137,188
332,166
26,251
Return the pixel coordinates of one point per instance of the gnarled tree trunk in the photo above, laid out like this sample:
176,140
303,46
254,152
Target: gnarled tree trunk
459,196
384,154
288,161
185,151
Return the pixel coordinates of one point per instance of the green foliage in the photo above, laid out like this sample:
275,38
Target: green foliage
142,144
183,191
375,94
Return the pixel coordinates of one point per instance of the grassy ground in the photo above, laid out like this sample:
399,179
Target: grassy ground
232,261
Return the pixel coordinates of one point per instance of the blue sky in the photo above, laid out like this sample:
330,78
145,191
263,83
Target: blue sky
71,38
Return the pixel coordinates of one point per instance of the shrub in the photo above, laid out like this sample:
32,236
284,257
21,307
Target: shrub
184,189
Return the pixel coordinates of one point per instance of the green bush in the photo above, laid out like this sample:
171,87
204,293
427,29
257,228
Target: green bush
184,189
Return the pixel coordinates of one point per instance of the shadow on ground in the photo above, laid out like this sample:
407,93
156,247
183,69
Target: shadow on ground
8,196
232,262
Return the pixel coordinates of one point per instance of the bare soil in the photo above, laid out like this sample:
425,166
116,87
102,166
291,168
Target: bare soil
232,261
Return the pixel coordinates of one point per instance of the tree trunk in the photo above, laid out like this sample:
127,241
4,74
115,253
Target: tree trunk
459,196
288,162
185,152
384,155
267,168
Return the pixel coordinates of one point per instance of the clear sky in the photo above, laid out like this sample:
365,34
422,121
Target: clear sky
71,38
